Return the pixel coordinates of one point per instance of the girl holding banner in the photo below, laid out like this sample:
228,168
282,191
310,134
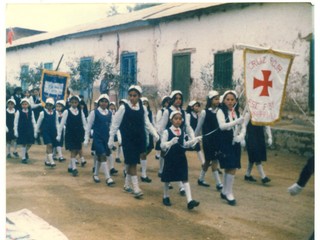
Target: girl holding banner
229,122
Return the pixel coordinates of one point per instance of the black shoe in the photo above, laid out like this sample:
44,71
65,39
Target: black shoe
69,170
182,192
146,179
8,155
24,161
170,186
192,204
157,157
110,182
77,162
47,164
74,172
223,196
55,158
15,154
118,160
203,183
113,171
249,179
231,202
83,163
96,179
265,180
166,201
219,187
61,159
52,164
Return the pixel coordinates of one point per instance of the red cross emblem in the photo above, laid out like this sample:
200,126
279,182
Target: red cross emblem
265,83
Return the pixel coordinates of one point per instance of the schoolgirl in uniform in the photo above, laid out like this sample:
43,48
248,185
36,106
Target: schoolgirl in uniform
209,126
24,128
193,110
176,103
10,138
256,147
229,122
75,122
149,146
60,104
100,120
132,119
175,162
17,96
113,109
47,125
164,104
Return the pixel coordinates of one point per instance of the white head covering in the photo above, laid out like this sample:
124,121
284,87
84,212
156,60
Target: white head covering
192,103
96,101
112,103
11,100
75,96
212,94
230,91
175,92
164,97
104,96
62,102
144,99
50,100
135,87
25,100
174,113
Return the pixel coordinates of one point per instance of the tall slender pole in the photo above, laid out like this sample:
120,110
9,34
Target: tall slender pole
59,62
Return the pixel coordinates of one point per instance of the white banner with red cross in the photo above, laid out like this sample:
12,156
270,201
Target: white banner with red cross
266,75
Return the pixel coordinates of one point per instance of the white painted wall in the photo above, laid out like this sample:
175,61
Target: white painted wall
279,26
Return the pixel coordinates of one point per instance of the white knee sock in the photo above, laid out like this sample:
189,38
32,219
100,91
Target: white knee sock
97,168
15,146
157,153
202,175
249,169
23,152
50,158
127,180
135,183
181,185
118,152
260,170
59,150
8,148
229,187
161,163
143,168
223,191
200,157
105,169
111,161
166,190
216,177
73,163
188,191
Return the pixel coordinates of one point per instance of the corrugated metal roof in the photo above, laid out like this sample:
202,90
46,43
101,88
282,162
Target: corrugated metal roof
114,23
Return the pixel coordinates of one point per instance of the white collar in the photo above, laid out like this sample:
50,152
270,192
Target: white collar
11,111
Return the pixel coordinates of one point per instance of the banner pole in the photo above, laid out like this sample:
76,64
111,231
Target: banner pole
59,62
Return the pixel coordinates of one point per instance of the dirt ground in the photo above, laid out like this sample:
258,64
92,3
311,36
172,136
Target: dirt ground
85,210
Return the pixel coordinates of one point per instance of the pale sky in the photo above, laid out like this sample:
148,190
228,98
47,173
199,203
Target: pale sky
55,16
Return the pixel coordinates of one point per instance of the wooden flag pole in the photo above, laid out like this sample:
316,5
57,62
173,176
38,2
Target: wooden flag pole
59,62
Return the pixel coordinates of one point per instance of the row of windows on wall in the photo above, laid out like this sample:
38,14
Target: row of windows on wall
222,78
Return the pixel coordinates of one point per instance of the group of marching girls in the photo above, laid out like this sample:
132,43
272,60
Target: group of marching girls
219,126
